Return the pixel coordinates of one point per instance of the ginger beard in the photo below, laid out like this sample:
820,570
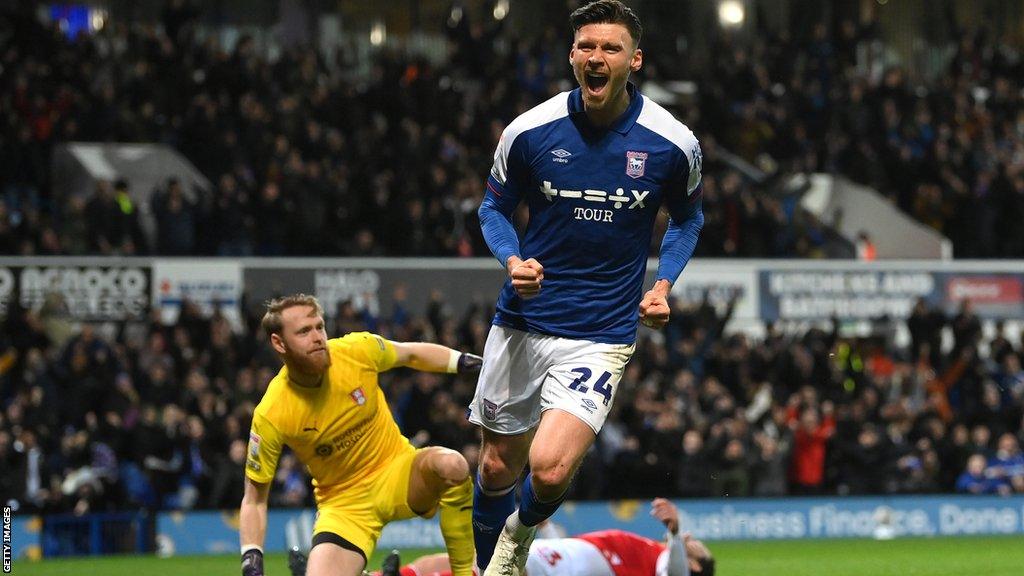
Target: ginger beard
302,342
602,57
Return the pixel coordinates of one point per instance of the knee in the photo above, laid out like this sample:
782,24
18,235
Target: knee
450,466
495,470
551,476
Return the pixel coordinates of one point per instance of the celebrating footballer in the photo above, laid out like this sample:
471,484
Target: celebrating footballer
594,166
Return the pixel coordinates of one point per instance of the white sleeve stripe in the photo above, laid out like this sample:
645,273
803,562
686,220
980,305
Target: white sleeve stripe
661,122
544,113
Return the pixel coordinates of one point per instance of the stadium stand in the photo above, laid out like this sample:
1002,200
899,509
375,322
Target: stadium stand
307,158
156,416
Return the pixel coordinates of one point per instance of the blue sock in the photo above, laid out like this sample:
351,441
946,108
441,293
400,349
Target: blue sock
533,511
490,510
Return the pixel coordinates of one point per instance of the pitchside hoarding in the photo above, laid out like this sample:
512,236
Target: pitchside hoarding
863,293
712,520
374,284
210,284
98,289
90,293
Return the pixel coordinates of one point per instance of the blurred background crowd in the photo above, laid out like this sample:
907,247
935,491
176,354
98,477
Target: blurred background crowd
157,416
309,154
307,157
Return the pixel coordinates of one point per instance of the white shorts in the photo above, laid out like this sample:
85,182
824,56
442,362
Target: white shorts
525,374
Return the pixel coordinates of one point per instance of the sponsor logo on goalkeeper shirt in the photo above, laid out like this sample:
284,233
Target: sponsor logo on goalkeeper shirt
346,440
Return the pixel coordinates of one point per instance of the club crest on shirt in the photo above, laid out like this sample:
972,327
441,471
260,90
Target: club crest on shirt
635,162
358,397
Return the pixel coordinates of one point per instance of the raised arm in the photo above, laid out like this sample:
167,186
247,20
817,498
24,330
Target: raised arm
668,514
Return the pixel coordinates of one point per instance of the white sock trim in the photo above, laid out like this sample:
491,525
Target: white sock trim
247,547
499,491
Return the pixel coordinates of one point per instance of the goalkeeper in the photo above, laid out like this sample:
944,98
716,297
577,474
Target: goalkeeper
327,406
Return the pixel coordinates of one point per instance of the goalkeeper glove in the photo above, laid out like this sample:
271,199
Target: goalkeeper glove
469,363
252,562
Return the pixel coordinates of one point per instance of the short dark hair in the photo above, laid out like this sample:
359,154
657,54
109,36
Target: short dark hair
607,12
707,566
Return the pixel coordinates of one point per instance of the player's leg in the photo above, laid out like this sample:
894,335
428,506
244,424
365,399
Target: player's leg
506,406
332,555
344,535
576,397
440,478
502,459
562,441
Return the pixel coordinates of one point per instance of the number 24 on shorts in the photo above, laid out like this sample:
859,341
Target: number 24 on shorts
602,386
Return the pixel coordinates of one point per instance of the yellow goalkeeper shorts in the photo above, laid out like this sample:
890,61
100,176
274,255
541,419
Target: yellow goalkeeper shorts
358,515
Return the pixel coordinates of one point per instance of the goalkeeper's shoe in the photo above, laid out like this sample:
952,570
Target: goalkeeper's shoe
297,562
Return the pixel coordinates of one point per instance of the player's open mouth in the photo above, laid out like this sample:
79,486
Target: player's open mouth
596,82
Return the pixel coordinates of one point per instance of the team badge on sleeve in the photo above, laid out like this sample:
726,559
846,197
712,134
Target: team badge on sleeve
635,162
254,444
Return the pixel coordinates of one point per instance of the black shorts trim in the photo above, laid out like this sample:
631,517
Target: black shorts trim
332,538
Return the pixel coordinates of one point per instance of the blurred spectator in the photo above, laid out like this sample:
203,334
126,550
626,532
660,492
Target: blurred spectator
175,217
866,250
974,480
1007,463
812,432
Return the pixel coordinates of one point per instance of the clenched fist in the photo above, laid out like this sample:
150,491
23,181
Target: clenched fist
654,310
526,275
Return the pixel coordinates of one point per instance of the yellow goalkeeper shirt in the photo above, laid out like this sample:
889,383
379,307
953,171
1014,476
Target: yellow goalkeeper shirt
342,430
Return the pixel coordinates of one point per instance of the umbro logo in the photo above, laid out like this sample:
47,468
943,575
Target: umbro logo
561,155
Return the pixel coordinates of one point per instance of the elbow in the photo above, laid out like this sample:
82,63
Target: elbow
697,222
484,212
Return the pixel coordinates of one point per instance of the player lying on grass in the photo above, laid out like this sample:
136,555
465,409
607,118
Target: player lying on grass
603,553
326,405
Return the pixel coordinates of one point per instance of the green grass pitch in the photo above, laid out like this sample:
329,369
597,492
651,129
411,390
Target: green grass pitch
976,556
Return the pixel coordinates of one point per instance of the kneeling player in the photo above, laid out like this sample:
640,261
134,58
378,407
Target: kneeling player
326,405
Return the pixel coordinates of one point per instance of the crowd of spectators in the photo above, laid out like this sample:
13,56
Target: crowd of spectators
304,154
157,416
945,149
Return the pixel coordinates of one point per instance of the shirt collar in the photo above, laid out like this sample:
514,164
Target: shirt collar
624,122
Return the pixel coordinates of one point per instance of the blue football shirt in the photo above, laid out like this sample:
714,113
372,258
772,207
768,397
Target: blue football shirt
593,195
